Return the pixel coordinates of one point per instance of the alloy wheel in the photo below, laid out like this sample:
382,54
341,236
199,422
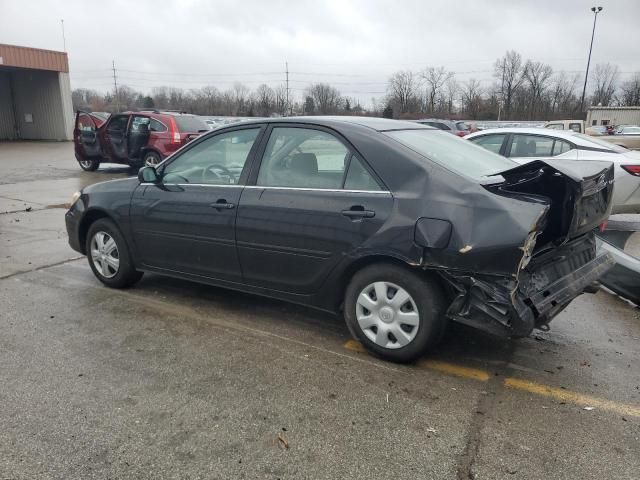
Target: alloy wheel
105,255
387,315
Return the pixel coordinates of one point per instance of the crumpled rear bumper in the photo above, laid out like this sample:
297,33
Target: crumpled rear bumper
514,306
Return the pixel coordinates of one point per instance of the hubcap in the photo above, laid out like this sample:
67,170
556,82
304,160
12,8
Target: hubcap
105,255
86,163
152,161
387,315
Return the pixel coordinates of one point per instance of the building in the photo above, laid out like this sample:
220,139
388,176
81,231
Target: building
613,116
35,94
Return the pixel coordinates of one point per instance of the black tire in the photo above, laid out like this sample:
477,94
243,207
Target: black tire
151,159
126,274
425,292
89,165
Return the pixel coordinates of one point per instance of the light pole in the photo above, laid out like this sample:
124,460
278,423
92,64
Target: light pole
596,11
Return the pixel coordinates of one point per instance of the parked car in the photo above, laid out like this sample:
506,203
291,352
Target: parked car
132,138
574,125
399,226
596,130
525,145
458,128
627,136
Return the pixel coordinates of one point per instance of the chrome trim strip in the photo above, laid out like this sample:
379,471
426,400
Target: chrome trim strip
301,189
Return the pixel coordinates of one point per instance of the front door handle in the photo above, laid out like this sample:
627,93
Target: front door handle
222,204
358,211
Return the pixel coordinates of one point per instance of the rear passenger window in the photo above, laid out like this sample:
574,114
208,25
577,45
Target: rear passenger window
531,146
303,158
156,126
359,178
561,147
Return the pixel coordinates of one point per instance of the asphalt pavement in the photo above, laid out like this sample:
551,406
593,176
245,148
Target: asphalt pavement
172,379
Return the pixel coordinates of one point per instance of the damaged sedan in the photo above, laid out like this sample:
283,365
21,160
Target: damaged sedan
399,227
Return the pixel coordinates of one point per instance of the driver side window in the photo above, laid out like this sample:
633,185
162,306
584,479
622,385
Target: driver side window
218,160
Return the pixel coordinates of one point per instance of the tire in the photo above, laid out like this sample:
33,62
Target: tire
102,261
89,165
151,159
423,311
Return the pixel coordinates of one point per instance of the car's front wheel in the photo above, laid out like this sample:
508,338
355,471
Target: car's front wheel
89,165
394,312
109,255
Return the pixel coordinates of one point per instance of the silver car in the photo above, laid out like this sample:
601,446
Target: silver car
524,145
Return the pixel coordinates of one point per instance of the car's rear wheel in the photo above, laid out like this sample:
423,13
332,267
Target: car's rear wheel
394,312
89,165
151,159
109,255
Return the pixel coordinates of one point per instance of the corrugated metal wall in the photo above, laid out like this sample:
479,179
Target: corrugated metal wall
40,105
615,116
7,122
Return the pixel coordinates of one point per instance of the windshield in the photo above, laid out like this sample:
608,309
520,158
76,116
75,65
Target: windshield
602,143
453,153
188,123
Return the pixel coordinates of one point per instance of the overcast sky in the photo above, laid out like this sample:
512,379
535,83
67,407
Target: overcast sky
354,45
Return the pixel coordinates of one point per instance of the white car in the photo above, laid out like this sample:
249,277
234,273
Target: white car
524,145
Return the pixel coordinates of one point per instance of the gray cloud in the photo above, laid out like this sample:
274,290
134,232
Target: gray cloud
355,45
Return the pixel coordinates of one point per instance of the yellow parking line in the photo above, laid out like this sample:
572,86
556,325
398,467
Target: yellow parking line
455,370
517,384
573,397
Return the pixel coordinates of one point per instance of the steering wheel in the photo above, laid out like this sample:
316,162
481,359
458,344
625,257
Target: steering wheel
211,170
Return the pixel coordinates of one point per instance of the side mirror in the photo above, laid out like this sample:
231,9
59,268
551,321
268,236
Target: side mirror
148,175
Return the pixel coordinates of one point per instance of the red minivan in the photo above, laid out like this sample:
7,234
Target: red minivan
132,138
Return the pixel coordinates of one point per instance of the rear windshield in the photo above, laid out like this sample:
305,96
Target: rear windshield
602,143
453,153
190,124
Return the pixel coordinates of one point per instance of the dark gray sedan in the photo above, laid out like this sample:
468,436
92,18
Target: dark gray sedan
399,226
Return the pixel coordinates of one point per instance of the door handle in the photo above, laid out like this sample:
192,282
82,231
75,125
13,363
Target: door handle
358,211
222,203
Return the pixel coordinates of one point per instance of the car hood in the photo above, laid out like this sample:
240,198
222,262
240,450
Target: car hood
119,185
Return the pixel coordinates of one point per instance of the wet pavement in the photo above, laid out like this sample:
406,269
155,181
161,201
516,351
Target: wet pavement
172,379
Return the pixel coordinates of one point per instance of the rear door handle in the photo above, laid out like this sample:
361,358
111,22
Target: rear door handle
358,211
222,203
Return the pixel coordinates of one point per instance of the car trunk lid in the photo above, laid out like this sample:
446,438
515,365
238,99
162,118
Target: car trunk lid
579,193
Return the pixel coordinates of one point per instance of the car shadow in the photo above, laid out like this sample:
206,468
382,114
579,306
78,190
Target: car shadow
460,343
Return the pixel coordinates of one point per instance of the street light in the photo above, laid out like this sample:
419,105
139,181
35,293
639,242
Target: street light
596,11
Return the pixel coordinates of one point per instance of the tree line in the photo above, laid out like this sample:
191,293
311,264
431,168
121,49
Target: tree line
521,89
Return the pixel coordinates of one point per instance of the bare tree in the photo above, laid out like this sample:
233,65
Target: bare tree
536,75
435,79
280,100
239,96
402,91
605,80
471,97
326,98
630,92
562,98
265,97
508,71
453,88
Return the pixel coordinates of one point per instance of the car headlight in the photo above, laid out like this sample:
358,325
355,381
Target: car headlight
74,198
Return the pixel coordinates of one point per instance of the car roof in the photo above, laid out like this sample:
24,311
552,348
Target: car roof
569,135
373,123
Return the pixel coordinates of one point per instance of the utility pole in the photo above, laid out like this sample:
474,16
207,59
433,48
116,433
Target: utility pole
596,11
286,66
64,40
115,85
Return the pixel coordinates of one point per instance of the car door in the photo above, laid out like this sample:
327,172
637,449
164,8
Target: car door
311,202
114,138
138,135
85,137
524,148
185,223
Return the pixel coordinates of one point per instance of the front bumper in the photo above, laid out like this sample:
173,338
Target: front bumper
72,221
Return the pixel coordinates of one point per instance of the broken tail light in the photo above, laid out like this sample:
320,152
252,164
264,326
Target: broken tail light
632,169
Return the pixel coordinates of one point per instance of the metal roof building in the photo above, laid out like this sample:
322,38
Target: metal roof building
35,94
613,116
